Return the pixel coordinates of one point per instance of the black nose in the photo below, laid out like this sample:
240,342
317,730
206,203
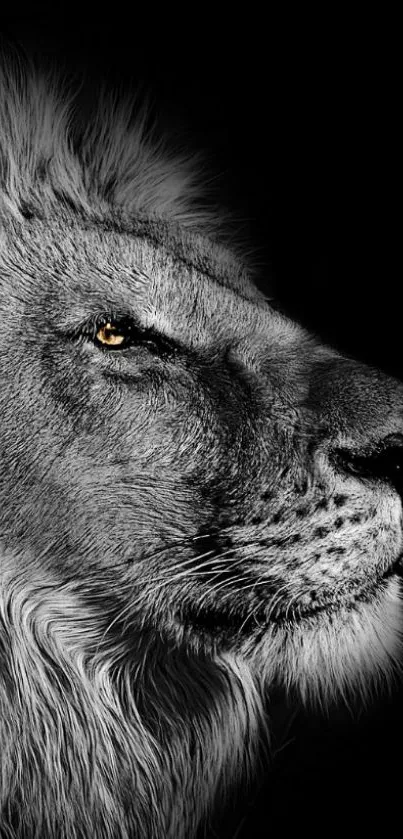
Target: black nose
383,463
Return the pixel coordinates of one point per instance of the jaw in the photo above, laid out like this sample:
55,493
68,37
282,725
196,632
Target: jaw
339,654
345,655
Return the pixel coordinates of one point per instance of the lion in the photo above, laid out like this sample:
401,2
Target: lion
199,501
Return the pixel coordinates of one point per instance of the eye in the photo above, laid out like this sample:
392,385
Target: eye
111,335
114,333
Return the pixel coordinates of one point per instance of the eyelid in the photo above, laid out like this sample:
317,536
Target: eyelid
137,334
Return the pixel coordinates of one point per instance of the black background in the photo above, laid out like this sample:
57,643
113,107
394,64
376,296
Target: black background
300,120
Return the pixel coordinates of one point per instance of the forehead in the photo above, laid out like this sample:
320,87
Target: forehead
169,279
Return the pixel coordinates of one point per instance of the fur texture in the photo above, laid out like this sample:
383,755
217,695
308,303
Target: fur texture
183,523
47,158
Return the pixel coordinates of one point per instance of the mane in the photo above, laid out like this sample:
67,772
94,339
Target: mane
102,165
95,741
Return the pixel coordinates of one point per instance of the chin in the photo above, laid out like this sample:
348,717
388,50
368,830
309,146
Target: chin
351,653
348,653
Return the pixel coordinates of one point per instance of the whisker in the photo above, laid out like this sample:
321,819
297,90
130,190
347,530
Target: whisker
211,561
219,587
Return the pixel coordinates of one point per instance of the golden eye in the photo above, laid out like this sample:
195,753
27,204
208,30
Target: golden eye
110,336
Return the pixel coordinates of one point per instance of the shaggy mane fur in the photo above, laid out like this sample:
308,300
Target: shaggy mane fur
113,164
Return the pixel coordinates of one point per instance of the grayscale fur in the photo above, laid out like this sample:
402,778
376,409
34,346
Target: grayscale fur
166,525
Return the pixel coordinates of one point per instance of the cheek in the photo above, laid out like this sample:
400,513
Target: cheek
75,393
115,512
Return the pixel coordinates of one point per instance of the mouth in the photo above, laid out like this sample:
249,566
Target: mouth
230,620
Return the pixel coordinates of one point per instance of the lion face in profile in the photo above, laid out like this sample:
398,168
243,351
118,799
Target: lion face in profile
195,493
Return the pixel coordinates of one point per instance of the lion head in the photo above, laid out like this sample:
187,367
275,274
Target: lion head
196,496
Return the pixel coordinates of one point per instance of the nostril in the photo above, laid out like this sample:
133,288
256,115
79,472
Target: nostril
384,462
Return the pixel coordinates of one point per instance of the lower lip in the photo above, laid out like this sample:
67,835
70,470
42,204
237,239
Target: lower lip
217,621
396,570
